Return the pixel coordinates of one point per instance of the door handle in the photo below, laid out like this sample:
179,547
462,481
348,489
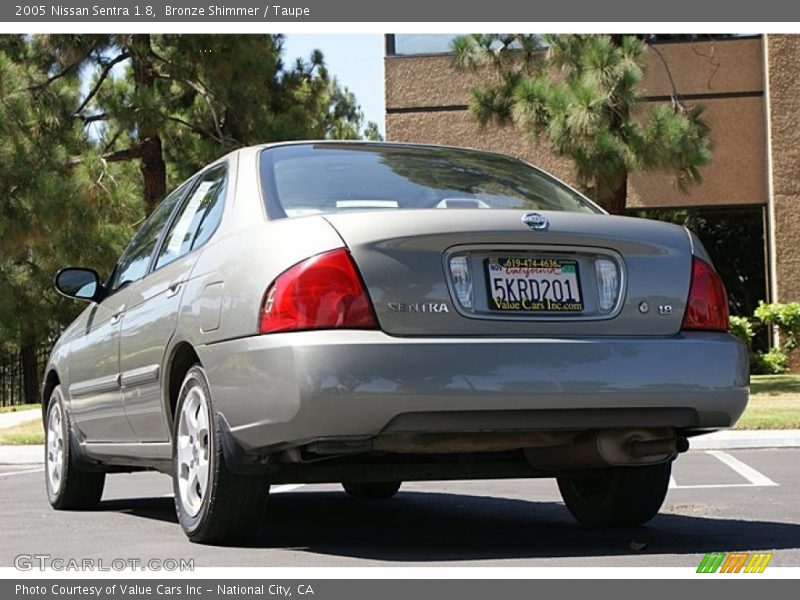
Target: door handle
174,289
117,315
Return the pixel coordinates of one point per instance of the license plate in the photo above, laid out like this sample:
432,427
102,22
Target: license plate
533,285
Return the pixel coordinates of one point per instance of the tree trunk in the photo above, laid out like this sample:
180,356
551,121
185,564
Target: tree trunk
616,204
619,199
31,389
152,166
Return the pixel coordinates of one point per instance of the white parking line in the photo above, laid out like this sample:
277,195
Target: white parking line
22,472
754,477
276,490
286,488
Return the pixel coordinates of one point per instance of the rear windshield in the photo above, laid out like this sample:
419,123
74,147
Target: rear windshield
309,179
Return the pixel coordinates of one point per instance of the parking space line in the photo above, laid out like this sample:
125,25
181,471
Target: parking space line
756,478
286,488
22,472
276,490
703,486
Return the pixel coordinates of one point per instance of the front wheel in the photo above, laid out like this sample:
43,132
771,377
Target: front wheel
70,485
619,497
372,491
214,505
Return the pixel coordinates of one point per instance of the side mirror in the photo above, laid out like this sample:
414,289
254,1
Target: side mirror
75,282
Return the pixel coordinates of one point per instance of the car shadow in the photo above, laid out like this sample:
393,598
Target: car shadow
422,527
156,509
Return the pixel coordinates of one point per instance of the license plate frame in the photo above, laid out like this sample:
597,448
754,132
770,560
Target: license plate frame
533,290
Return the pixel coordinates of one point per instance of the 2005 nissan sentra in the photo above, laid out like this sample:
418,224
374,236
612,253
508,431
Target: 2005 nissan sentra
376,313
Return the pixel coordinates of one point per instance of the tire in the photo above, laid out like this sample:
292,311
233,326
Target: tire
621,497
213,504
372,491
70,485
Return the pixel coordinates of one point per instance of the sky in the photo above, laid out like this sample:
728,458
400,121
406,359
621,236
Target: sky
355,60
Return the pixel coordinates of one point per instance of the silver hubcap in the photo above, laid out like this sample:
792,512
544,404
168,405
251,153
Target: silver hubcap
55,447
193,450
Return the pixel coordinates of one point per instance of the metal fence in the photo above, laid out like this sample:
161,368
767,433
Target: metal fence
12,390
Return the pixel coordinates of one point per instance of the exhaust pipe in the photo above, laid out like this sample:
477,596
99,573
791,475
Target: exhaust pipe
610,447
643,449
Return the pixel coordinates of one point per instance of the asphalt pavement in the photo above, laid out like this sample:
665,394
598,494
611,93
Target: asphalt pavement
719,501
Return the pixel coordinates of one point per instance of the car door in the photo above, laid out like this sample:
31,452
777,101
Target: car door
151,316
94,393
94,390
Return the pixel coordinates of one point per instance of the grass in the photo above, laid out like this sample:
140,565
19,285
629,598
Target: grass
18,407
774,403
30,432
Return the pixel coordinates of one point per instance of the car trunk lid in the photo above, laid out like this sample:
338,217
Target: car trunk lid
404,257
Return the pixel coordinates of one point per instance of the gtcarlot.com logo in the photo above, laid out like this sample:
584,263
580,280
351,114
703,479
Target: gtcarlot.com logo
29,562
734,562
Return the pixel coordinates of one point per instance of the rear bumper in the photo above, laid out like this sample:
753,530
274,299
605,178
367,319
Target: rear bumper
281,390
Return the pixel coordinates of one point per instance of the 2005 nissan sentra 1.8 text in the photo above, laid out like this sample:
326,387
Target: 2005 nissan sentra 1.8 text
368,314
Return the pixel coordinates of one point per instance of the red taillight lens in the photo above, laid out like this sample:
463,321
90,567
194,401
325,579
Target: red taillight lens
323,292
707,306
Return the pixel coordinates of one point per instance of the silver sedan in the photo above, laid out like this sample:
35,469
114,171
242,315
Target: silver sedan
370,314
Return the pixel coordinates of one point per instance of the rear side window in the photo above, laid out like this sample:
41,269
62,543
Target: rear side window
323,178
197,219
136,259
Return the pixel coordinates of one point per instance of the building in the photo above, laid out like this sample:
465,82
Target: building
750,86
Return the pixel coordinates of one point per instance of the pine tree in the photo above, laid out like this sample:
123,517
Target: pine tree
173,103
95,128
581,94
53,210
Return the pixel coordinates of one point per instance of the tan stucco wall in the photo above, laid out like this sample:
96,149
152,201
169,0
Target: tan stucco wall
697,68
783,53
737,174
738,170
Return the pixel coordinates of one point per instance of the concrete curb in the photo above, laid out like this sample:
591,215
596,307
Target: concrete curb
21,455
13,419
721,440
747,438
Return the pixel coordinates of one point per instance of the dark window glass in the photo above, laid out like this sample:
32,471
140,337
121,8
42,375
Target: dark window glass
324,178
136,259
197,219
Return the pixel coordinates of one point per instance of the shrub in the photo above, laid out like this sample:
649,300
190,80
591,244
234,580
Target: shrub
786,317
773,362
742,329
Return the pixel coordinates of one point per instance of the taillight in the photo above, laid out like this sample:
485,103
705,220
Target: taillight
707,306
322,292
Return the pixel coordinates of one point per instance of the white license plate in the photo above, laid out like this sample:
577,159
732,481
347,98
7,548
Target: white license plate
533,284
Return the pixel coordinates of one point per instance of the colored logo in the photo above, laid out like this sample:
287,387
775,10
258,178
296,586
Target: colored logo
734,562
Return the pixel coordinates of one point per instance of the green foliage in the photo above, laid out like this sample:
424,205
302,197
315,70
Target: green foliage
53,210
773,362
95,128
580,93
742,329
786,317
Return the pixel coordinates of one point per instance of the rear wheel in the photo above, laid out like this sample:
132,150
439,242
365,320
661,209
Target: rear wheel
620,497
70,485
214,504
373,490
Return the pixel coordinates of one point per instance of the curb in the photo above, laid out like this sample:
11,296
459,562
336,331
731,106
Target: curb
720,440
747,439
22,455
12,419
